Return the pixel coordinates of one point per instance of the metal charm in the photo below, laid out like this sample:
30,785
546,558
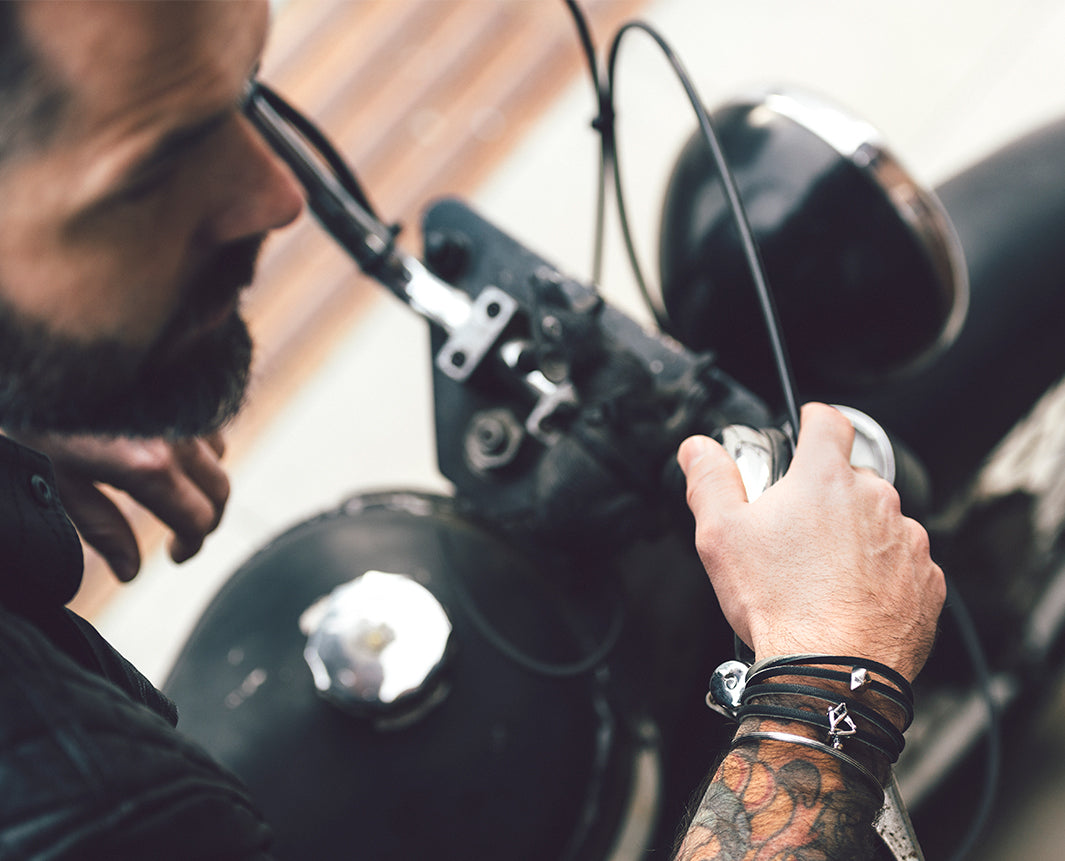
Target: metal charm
859,678
726,687
838,715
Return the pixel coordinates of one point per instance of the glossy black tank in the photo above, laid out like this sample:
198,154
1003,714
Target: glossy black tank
511,763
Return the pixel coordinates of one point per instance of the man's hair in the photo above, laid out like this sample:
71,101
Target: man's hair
31,101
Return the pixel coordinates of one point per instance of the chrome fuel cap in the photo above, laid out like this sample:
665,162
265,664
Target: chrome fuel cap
376,646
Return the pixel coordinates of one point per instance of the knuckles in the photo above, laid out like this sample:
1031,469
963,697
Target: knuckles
153,460
918,537
888,497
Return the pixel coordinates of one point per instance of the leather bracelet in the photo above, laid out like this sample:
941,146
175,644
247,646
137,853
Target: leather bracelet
782,713
870,715
884,670
886,691
789,738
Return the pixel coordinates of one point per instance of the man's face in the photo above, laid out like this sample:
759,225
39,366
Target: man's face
126,238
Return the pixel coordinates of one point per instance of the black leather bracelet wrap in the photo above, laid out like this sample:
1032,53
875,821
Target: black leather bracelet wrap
883,737
812,661
887,691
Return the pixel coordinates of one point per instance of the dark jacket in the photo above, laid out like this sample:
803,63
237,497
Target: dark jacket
90,764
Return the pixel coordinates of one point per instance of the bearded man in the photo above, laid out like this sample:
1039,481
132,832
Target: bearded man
135,197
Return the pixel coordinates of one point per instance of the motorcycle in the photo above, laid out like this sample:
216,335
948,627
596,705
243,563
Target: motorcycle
378,673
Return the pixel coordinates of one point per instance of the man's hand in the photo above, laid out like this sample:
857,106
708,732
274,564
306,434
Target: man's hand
181,482
824,561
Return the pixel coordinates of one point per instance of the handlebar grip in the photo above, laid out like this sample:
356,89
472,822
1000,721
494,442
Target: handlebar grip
761,454
872,446
764,454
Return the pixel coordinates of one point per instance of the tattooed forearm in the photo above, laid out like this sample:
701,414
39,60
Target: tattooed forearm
771,800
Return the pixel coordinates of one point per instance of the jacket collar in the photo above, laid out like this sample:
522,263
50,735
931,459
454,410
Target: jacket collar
40,555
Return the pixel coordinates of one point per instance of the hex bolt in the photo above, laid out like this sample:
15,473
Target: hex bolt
491,435
447,253
493,438
552,327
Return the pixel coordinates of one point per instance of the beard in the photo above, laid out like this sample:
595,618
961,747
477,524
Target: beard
184,384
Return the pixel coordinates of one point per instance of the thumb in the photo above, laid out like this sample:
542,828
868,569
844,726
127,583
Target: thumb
714,480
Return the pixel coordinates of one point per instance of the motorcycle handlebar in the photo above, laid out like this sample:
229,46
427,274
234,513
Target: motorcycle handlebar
503,329
764,454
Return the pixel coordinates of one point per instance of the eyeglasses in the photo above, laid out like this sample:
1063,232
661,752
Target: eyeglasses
340,205
333,192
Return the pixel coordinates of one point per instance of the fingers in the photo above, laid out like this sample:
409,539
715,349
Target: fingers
715,487
199,461
217,443
713,479
102,525
825,437
183,484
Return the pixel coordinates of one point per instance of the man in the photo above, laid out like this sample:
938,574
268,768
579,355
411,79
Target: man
133,198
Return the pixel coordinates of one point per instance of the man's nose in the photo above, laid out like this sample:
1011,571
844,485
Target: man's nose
259,192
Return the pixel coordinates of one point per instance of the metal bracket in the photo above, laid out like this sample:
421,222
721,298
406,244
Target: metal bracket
469,343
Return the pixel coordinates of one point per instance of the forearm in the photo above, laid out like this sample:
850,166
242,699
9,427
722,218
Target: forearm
771,799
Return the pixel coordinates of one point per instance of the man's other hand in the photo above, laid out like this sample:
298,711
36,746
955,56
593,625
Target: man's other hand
180,482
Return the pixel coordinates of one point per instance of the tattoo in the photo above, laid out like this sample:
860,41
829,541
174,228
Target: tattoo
770,800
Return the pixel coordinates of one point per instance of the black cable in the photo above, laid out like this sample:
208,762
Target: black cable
993,747
750,247
594,658
657,311
584,33
604,125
